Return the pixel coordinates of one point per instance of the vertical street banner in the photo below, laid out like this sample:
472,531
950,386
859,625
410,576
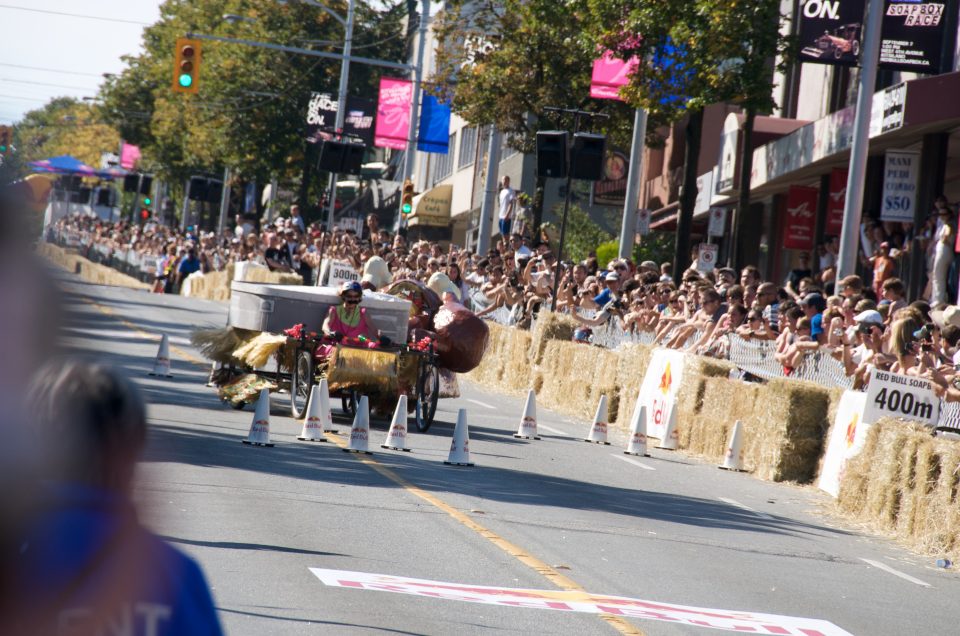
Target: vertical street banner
393,114
322,118
609,74
799,221
900,171
912,35
831,31
129,156
433,133
836,201
359,118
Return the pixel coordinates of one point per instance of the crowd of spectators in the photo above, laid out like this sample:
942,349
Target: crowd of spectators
861,324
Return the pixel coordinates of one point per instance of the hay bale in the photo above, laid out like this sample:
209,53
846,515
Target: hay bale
574,376
257,352
550,326
89,271
632,363
217,345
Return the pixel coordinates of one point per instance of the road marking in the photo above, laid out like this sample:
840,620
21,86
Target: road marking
630,460
902,575
523,556
483,404
734,502
550,429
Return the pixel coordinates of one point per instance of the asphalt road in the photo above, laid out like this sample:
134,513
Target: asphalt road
548,514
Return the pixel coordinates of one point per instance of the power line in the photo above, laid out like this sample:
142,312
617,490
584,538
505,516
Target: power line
49,70
74,15
79,88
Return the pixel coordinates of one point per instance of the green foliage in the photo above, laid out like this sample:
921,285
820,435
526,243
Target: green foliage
656,247
607,251
582,237
64,126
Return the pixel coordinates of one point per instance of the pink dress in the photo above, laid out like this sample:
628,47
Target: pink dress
336,325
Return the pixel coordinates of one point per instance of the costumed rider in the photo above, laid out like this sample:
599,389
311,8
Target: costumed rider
348,320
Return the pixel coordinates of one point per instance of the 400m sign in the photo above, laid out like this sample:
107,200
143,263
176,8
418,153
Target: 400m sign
901,396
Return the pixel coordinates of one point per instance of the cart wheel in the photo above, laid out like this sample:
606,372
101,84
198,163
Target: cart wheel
300,384
428,392
349,401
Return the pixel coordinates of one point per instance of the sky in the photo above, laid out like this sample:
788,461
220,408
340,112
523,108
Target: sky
81,49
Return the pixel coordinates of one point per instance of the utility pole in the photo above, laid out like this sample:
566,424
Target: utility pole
341,107
415,100
629,226
489,192
224,201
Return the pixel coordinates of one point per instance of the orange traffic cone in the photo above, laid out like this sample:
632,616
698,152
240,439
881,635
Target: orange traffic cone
260,428
397,435
734,457
637,443
161,365
316,418
460,446
598,431
360,431
528,423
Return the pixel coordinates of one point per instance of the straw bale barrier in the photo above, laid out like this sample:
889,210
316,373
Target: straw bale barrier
88,270
216,285
572,377
905,483
505,365
550,326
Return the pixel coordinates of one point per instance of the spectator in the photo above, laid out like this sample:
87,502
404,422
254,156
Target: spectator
508,201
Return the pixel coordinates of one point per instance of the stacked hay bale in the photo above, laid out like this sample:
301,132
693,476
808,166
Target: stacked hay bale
550,326
571,378
216,285
632,363
88,270
905,482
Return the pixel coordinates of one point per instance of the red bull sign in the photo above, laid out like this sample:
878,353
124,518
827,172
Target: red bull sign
800,218
658,392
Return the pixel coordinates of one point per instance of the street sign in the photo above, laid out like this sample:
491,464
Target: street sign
707,257
643,221
900,396
718,222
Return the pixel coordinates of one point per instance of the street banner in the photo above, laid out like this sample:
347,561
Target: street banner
129,156
643,221
901,396
846,440
659,389
799,221
718,222
912,35
900,171
583,602
393,114
835,202
707,257
322,118
831,31
433,133
609,74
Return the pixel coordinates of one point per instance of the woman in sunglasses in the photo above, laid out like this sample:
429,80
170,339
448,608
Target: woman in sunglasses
348,319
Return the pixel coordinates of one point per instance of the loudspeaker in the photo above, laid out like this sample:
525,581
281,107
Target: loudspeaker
198,189
130,182
331,156
105,197
145,184
586,156
353,158
214,191
552,153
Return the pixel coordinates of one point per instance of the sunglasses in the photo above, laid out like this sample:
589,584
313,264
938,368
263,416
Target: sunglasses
351,299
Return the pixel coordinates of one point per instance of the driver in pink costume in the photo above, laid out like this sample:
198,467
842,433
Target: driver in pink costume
348,319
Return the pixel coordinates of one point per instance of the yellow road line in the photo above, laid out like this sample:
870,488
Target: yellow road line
523,556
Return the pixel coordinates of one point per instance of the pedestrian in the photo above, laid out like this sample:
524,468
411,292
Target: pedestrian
943,253
508,201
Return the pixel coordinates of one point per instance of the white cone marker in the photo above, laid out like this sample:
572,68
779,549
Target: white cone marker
397,435
528,423
161,365
460,446
316,418
325,401
637,443
734,457
598,431
259,434
670,435
360,431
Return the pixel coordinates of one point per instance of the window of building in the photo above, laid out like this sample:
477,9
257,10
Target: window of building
444,166
468,147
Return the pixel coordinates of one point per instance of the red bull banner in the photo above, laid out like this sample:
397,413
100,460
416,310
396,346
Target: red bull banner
800,219
658,392
836,201
393,114
609,74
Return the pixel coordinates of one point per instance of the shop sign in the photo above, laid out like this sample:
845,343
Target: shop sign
835,201
911,38
900,173
801,216
727,164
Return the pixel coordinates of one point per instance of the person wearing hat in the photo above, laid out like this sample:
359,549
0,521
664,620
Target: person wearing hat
942,254
868,335
348,319
611,286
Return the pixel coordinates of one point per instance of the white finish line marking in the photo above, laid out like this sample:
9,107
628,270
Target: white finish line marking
633,461
902,575
734,502
550,429
585,602
483,404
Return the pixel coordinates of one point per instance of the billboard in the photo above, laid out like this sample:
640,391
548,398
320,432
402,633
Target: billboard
831,31
912,35
322,118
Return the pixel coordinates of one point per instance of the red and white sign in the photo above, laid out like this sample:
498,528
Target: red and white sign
585,602
659,389
801,216
707,257
846,440
718,222
393,113
609,74
836,201
643,222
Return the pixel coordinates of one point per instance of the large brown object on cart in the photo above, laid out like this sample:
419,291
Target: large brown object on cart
461,337
424,302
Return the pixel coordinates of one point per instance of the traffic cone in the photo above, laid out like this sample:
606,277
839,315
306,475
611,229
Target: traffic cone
460,446
316,418
360,431
598,431
161,365
528,423
397,435
637,444
325,401
734,458
260,428
670,435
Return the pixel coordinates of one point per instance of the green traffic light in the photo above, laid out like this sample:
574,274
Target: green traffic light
407,208
3,148
186,80
147,200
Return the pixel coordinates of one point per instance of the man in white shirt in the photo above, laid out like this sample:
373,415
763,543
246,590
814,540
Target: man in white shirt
508,201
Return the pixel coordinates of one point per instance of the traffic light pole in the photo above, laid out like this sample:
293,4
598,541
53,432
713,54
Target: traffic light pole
628,228
341,107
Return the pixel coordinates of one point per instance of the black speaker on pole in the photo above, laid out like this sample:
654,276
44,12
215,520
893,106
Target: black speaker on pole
552,153
130,182
214,191
587,155
331,156
198,189
145,184
353,158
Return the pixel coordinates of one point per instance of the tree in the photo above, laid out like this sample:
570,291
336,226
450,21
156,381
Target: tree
65,126
527,55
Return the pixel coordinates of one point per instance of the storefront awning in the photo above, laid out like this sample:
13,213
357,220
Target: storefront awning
432,208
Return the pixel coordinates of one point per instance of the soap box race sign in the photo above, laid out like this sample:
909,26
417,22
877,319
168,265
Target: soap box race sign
579,601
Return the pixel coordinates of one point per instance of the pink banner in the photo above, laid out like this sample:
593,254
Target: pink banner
129,156
393,114
609,74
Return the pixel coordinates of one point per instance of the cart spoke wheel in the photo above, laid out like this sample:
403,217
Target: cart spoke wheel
428,392
301,383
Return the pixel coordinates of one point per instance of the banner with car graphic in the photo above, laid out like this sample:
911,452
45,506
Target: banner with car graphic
831,31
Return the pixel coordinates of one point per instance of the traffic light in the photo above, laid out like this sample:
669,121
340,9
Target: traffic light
406,199
6,140
186,66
